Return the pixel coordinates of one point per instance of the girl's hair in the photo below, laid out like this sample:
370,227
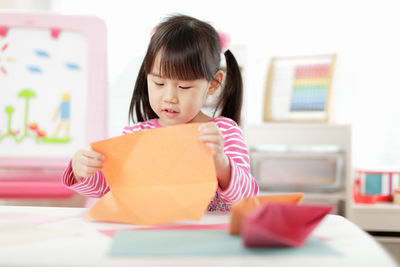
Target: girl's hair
190,50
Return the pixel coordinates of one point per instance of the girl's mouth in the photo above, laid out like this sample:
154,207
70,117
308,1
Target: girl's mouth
170,113
169,110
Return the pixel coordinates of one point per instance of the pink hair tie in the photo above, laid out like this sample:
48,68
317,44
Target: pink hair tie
153,31
224,40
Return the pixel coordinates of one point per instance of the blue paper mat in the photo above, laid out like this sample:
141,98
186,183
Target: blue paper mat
200,243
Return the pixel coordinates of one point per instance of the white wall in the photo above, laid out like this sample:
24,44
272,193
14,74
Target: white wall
362,33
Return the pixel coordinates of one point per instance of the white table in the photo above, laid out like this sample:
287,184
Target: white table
81,244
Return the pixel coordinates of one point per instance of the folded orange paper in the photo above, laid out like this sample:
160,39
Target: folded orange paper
156,176
243,207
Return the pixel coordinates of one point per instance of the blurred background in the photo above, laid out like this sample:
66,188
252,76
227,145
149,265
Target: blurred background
365,86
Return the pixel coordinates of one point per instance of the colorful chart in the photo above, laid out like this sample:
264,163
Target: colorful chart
299,88
309,91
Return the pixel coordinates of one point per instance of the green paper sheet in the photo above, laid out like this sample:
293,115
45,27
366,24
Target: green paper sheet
200,243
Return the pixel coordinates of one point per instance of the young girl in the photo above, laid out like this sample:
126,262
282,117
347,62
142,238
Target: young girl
182,67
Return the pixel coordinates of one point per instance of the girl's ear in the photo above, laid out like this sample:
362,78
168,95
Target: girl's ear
215,85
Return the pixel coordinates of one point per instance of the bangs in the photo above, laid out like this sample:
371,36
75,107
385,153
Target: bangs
184,65
182,62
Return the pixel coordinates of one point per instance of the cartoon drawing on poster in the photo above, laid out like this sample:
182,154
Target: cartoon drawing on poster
38,79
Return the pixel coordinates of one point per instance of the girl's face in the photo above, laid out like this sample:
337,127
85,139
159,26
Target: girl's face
177,101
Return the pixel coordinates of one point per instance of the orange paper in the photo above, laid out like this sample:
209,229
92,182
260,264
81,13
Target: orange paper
243,207
156,176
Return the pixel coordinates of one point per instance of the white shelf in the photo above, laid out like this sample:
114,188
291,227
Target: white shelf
382,217
313,196
378,217
307,135
379,207
298,134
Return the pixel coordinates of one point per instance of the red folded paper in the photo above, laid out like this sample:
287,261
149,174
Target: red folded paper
281,225
245,206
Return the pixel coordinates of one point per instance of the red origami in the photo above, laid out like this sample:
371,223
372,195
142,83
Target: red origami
281,224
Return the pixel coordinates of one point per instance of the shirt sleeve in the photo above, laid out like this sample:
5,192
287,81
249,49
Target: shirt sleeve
242,184
92,186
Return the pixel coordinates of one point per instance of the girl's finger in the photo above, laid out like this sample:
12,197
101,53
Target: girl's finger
208,127
90,170
92,154
95,163
213,147
210,133
211,138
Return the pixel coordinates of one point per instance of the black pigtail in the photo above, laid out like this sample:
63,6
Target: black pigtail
231,98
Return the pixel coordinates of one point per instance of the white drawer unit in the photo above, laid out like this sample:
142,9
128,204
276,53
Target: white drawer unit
316,170
313,158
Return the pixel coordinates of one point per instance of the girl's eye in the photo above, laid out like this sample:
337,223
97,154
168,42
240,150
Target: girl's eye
159,84
184,87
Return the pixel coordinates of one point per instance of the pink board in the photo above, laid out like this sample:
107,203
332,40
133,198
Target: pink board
53,85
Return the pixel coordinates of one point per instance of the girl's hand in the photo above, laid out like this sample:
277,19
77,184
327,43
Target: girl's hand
86,162
213,138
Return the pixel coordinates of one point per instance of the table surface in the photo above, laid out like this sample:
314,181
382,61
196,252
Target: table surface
70,240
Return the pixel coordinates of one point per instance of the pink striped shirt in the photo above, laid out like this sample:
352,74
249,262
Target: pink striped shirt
242,183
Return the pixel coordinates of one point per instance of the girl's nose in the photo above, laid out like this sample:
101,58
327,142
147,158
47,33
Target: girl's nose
170,95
